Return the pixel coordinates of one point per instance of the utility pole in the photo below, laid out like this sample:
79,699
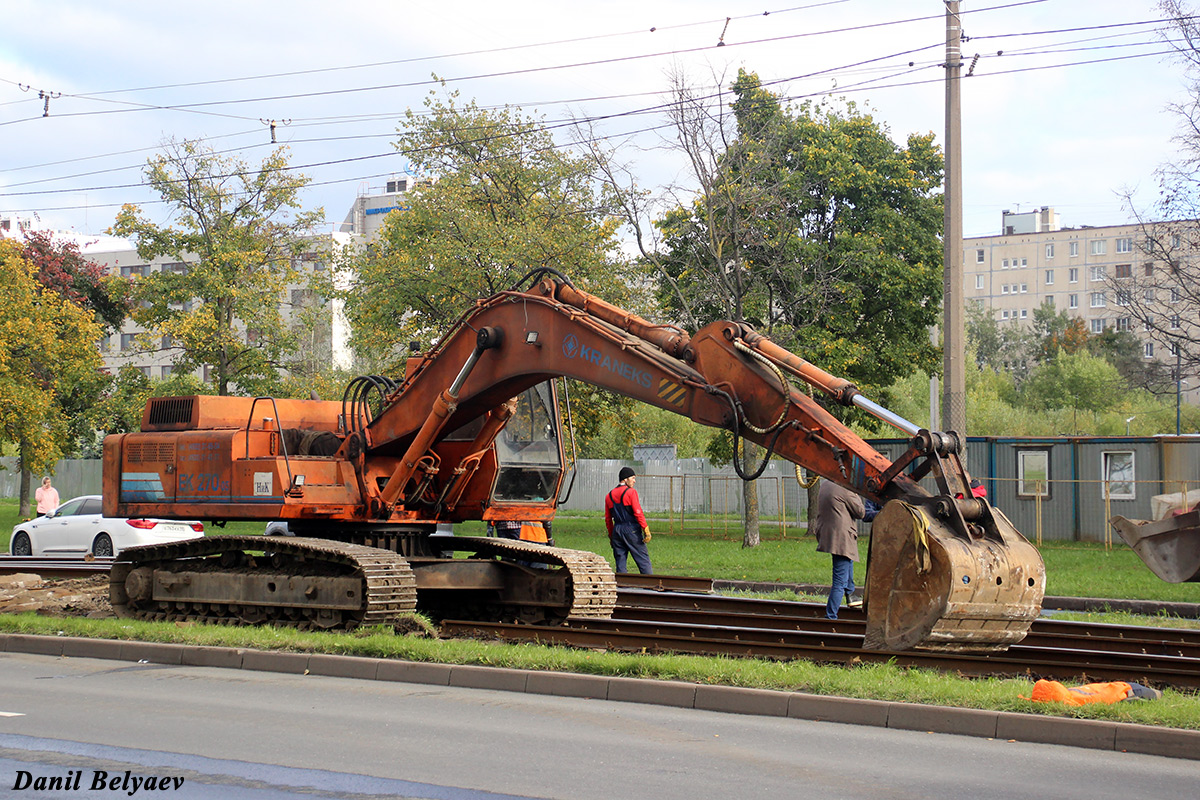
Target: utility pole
954,330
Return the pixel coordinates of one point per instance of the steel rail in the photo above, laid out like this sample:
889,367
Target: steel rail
841,648
55,566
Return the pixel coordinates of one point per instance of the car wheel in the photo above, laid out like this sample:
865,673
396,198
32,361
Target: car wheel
102,546
21,545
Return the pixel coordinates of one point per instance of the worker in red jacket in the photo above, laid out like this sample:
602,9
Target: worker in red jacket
628,531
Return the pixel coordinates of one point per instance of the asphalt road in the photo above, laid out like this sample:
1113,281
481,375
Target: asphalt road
238,733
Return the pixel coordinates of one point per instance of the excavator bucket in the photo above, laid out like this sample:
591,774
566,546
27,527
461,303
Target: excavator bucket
1170,546
932,588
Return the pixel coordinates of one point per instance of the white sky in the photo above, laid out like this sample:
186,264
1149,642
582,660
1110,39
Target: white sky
1071,137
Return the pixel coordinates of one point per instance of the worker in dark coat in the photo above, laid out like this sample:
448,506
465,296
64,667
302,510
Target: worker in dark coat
628,531
836,530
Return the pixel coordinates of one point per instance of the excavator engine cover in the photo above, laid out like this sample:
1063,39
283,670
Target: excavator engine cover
1170,546
931,588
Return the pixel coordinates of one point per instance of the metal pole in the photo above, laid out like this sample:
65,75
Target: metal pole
1178,387
954,413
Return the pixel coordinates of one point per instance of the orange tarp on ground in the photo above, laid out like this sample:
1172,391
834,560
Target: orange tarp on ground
1054,692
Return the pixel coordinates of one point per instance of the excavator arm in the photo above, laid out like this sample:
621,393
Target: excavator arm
945,570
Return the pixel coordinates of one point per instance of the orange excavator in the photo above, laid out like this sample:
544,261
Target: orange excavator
369,484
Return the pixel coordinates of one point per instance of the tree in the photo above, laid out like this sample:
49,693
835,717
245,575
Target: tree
1056,332
1075,381
500,199
1160,289
812,225
61,268
236,232
47,351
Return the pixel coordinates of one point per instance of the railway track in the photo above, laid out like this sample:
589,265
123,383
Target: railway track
676,614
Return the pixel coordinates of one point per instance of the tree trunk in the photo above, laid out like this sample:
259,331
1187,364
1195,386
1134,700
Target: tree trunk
750,457
23,488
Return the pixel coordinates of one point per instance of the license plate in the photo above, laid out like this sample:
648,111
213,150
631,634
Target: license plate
167,528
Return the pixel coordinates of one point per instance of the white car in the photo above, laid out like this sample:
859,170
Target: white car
77,527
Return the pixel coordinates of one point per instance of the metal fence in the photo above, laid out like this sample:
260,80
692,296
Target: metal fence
71,476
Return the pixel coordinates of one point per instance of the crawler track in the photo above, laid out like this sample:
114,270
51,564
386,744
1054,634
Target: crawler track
284,580
591,584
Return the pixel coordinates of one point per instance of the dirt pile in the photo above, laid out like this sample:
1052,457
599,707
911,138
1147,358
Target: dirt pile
75,597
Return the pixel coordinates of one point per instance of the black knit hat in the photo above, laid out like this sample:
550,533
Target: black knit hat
626,472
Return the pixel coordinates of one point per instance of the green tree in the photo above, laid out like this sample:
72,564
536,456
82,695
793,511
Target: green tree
500,200
47,353
1007,348
812,225
236,231
1056,332
1078,381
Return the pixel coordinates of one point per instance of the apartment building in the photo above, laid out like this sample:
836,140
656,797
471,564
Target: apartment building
1079,270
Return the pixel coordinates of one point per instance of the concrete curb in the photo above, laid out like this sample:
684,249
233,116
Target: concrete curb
1094,734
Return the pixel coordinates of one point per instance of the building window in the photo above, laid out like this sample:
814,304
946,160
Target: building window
1024,313
1174,295
1175,240
1148,269
1122,323
144,370
1004,288
1024,288
1175,322
1118,473
1072,301
1049,299
1098,300
1148,350
1033,473
978,256
167,342
1049,277
1004,264
127,340
1004,314
178,267
1174,348
1099,247
105,344
1050,250
1148,323
1124,297
1074,249
1148,295
1124,270
1097,326
134,271
1096,273
978,281
1073,275
1024,262
1125,245
167,370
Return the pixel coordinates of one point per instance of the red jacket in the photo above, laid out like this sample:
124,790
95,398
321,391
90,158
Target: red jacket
626,496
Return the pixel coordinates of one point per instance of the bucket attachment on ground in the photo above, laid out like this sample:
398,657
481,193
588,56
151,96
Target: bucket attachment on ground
931,587
1170,546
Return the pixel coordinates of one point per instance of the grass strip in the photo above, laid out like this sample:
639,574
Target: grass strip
1176,709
